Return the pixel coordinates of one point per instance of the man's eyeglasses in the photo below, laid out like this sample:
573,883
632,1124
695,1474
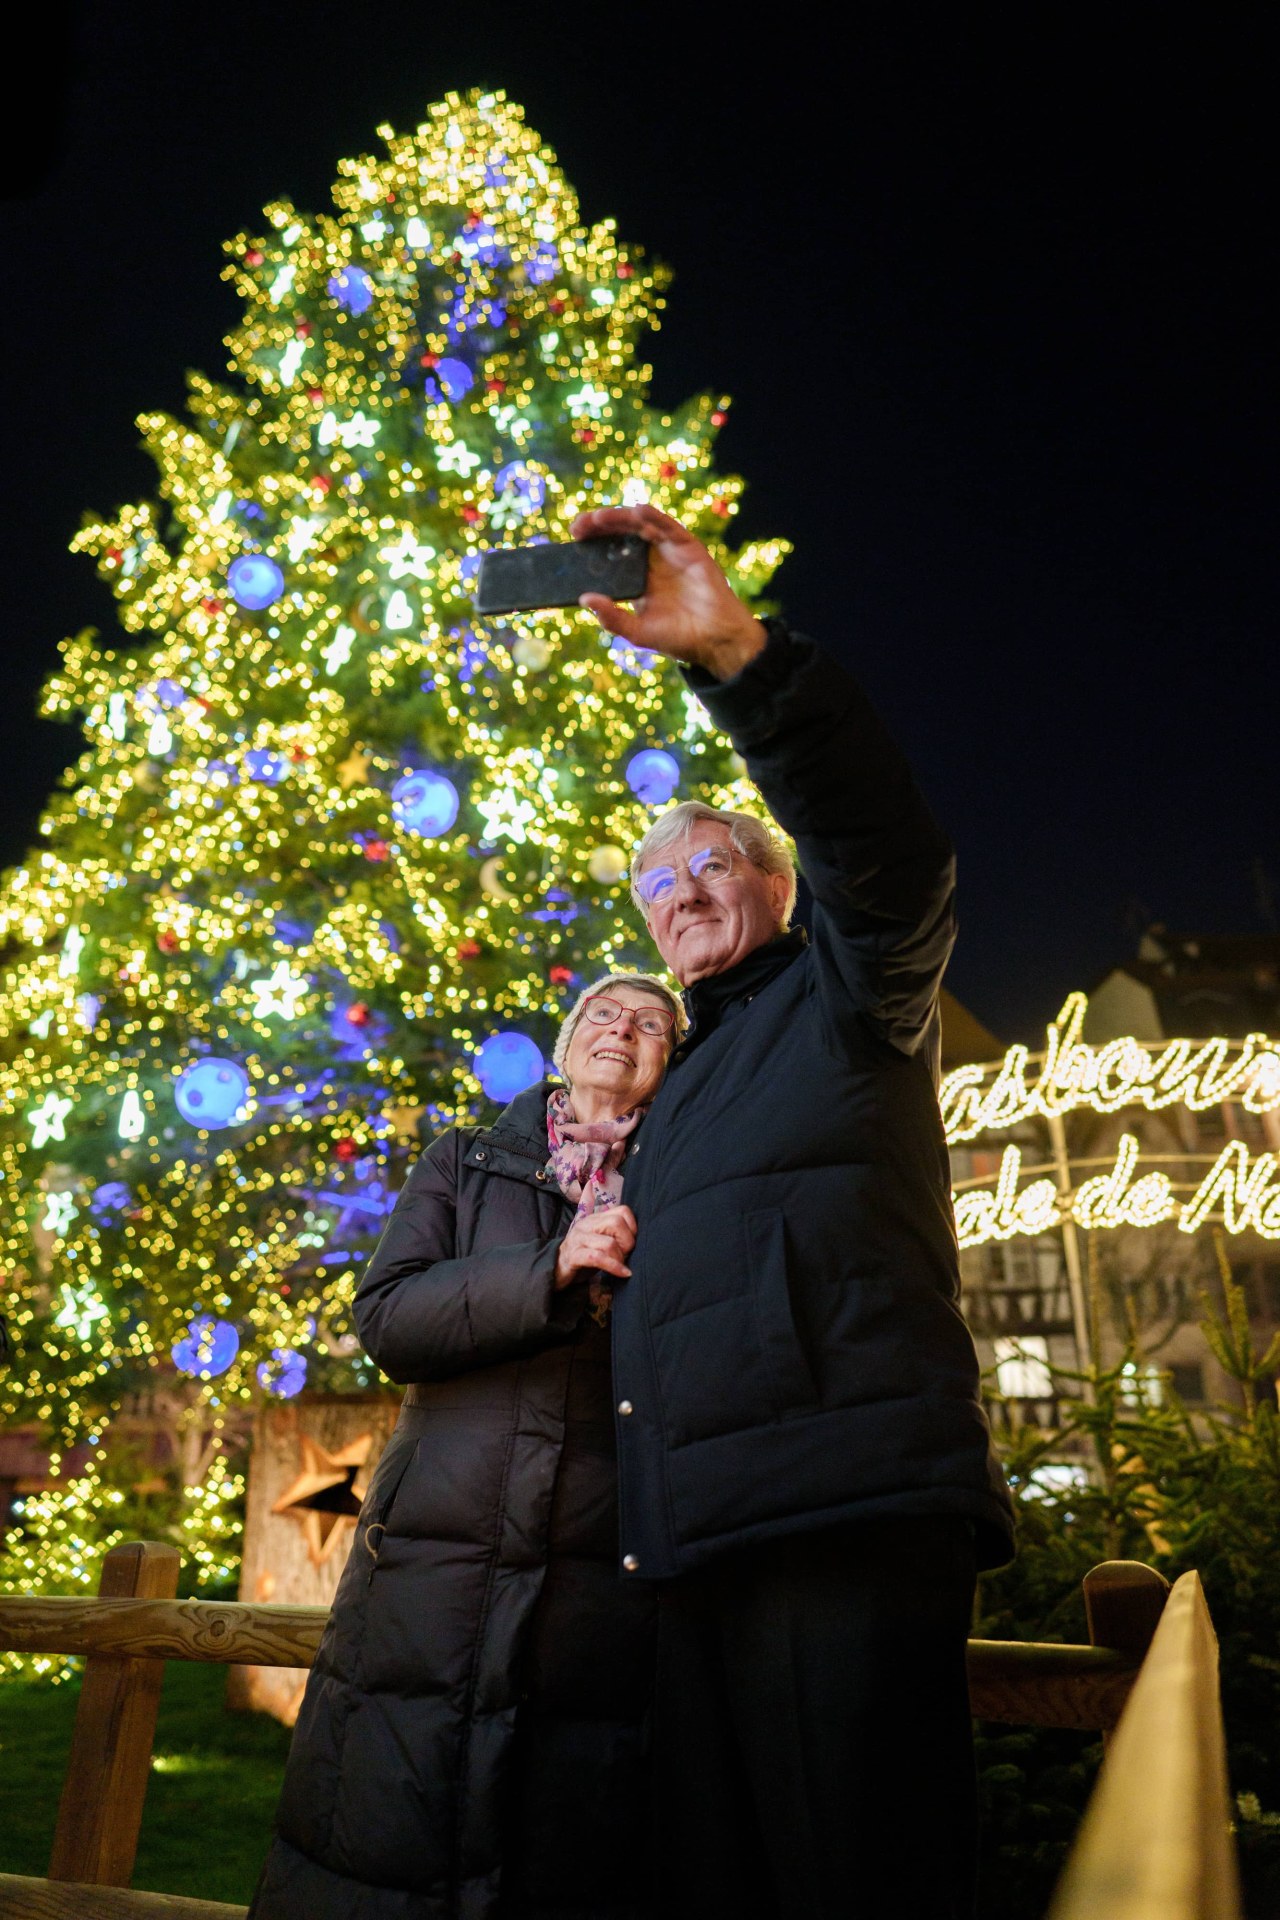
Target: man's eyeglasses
650,1020
710,866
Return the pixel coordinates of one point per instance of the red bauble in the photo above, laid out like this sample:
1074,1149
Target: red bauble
495,386
297,753
346,1148
211,603
321,482
721,507
718,418
625,270
167,942
471,515
376,850
253,258
304,329
469,949
586,435
668,470
113,556
358,1014
315,395
429,360
555,306
560,976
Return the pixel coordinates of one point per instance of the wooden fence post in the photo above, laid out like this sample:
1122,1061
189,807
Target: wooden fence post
1123,1602
100,1812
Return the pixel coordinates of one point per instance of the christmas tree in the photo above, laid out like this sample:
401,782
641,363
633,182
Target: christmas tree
337,851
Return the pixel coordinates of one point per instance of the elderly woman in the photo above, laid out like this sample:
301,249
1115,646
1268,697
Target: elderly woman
472,1738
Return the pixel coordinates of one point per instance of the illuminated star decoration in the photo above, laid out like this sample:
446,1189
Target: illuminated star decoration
457,458
81,1311
48,1120
281,992
338,651
323,1499
59,1212
504,812
408,558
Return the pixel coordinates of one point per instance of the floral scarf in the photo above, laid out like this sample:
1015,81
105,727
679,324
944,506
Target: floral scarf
586,1158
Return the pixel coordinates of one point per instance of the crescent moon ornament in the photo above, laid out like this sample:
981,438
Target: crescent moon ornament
490,879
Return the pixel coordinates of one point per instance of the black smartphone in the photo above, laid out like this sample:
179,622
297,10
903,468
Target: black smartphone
522,579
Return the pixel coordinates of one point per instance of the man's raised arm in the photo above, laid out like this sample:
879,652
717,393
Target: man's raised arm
879,866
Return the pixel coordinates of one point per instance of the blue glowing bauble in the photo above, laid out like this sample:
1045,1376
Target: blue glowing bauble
543,264
506,1063
653,776
455,378
170,693
480,242
260,763
284,1374
211,1092
112,1197
208,1349
254,581
352,289
516,478
424,803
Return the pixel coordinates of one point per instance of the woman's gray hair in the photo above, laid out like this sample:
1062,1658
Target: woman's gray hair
747,835
646,982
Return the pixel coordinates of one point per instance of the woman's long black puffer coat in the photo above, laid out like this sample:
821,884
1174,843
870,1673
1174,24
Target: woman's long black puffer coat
472,1738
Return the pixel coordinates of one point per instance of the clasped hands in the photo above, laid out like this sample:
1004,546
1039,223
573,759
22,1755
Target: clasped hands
597,1243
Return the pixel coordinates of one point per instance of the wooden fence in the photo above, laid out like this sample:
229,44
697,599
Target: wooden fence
1155,1843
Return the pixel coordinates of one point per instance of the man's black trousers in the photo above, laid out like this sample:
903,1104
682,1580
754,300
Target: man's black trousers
813,1744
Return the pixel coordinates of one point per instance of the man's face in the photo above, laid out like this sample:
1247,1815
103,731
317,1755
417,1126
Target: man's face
700,929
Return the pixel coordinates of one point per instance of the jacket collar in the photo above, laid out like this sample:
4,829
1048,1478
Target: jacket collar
521,1127
707,1001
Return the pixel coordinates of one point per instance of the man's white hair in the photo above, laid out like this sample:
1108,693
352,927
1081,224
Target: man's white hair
747,835
646,982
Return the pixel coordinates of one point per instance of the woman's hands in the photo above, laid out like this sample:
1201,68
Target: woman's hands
597,1243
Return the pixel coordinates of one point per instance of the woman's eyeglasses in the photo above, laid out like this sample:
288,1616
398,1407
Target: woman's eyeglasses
710,865
651,1021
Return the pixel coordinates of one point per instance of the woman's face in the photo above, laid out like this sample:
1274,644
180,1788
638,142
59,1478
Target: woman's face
613,1058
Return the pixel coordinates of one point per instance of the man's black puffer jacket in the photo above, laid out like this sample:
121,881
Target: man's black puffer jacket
791,1345
471,1738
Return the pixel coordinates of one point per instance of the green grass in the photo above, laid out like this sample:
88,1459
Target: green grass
214,1784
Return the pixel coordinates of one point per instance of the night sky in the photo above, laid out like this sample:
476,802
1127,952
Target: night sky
987,294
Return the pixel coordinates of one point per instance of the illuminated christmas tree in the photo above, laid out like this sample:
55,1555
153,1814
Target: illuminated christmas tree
338,850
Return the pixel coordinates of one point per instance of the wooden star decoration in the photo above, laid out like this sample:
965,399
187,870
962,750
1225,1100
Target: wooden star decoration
323,1499
354,770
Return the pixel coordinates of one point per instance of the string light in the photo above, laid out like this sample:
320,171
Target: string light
1123,1073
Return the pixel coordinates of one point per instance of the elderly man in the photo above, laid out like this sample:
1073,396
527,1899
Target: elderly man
805,1464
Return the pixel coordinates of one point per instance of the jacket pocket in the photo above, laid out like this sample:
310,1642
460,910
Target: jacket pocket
791,1375
388,1476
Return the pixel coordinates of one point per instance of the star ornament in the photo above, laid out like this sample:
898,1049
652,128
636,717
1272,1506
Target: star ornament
48,1120
354,770
457,458
281,992
338,651
323,1499
408,558
403,1120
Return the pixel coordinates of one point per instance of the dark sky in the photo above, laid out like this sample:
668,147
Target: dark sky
988,294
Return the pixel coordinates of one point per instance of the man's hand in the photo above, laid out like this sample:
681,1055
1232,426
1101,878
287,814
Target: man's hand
597,1243
689,611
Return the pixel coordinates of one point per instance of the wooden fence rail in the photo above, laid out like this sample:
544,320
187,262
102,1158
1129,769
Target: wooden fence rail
135,1625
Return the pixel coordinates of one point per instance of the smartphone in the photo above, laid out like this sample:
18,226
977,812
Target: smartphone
522,579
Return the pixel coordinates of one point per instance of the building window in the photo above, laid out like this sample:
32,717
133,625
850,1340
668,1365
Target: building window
1022,1368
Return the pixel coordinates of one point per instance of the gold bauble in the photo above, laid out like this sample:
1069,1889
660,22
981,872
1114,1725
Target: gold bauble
531,651
607,865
